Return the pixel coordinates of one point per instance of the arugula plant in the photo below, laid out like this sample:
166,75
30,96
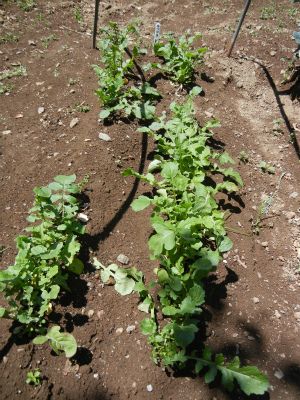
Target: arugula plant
180,58
188,241
45,256
122,90
60,342
34,377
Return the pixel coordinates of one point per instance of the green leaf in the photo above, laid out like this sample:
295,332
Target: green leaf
62,341
125,285
2,312
40,340
195,91
169,170
249,378
184,334
148,326
76,267
140,203
42,192
65,179
225,245
104,114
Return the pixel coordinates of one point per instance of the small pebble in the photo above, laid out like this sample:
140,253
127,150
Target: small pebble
277,314
130,328
265,244
297,315
41,110
123,259
82,217
119,331
255,300
90,313
100,314
74,122
149,388
104,136
279,374
6,132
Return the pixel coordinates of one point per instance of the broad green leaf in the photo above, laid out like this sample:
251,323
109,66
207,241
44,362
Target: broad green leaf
104,114
42,192
169,170
249,378
76,267
62,341
195,91
125,286
154,165
40,340
148,326
65,179
140,203
155,245
163,276
55,186
37,250
184,334
225,245
2,312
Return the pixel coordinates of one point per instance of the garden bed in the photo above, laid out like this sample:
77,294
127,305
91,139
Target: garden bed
254,296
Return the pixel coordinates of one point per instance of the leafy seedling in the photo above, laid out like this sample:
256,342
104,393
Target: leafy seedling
243,157
34,377
265,167
60,342
180,58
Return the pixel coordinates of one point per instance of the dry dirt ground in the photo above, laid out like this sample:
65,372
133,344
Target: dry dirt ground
254,306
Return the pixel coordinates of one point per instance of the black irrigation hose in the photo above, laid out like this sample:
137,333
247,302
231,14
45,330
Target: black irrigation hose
235,36
97,3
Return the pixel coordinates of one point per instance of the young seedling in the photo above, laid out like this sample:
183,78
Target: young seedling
34,377
47,40
26,5
265,167
60,342
118,95
180,58
9,38
243,157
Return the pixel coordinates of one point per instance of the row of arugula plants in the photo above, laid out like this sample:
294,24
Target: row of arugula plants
46,257
187,175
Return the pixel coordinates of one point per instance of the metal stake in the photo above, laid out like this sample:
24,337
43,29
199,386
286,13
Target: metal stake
97,2
235,36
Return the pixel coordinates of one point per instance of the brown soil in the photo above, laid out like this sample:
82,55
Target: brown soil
255,294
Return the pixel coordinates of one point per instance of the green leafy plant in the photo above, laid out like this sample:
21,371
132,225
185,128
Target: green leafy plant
265,167
268,12
19,70
26,5
116,92
34,377
244,157
8,38
188,242
179,57
45,257
78,14
60,342
5,88
47,40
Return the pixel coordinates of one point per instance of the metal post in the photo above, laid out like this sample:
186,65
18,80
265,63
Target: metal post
247,5
97,2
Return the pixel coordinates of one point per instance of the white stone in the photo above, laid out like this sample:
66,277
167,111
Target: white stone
104,136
